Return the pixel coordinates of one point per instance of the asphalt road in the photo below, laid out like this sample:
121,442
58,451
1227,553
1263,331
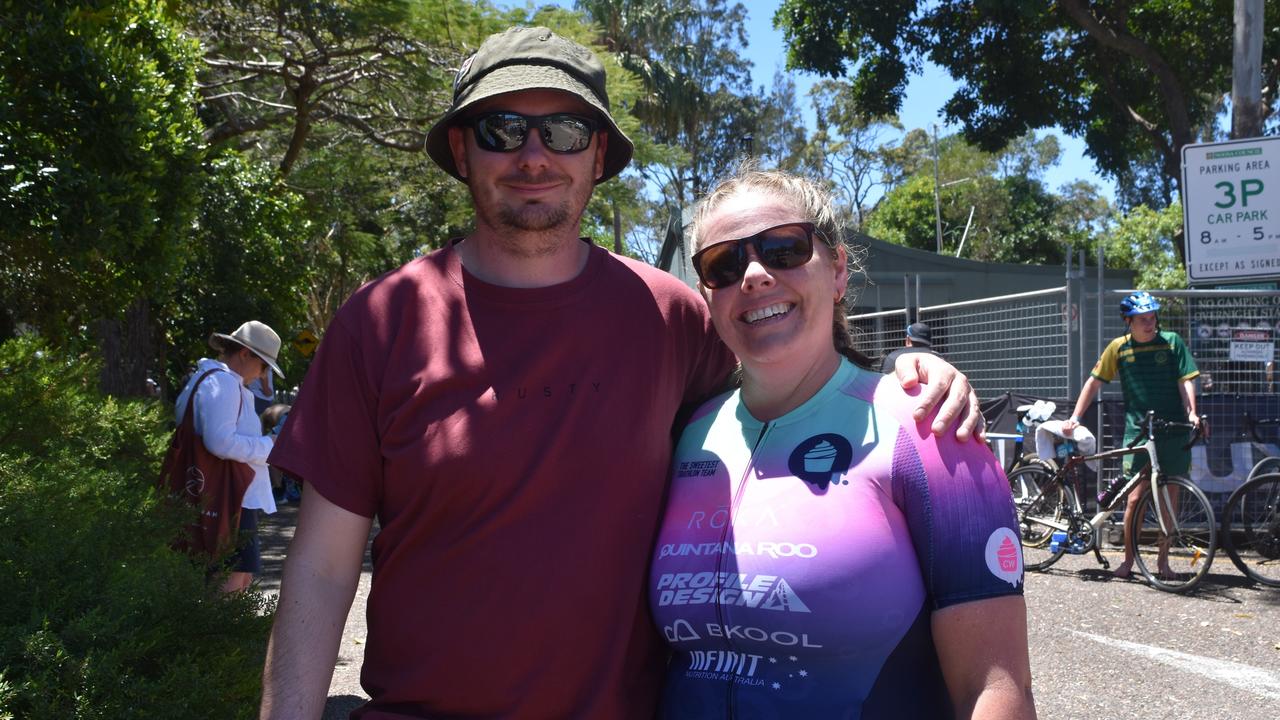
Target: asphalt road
1100,648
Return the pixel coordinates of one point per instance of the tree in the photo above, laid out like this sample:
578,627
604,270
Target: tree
247,259
100,151
697,93
994,203
379,71
847,148
1143,241
1136,79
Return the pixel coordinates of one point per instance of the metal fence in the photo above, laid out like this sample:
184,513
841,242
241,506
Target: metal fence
1012,342
1044,343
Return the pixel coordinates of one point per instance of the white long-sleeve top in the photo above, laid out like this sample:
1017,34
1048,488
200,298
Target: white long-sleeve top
229,427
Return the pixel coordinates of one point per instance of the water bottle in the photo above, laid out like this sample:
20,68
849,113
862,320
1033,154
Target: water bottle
1106,496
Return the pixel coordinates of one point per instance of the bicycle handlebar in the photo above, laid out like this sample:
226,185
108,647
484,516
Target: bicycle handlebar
1154,423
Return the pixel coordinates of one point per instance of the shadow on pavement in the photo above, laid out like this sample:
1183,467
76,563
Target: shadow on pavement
340,706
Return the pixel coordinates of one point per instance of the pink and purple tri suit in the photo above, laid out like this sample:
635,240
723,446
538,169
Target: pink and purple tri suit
799,560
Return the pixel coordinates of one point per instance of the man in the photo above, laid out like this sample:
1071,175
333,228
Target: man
504,406
1157,373
919,340
230,429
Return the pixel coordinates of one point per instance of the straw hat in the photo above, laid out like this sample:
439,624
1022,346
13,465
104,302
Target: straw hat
258,337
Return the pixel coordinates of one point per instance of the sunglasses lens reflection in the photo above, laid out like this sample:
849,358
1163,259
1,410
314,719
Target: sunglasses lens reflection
507,132
566,133
722,265
501,132
779,248
784,248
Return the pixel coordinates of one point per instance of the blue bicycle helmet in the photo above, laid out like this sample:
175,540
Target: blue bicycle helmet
1138,303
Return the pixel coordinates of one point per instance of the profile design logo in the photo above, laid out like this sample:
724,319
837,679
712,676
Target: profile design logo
819,458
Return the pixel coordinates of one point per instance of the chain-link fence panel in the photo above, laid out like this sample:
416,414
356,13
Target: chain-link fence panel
878,334
1015,343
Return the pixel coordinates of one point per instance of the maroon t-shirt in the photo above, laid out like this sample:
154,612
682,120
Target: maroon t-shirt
514,445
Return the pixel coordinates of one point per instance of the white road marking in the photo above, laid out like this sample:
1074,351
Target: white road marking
1245,677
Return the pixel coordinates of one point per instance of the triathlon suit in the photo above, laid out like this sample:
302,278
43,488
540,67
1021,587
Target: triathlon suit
1150,373
799,560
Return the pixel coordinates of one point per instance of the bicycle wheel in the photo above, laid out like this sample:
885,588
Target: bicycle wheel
1251,529
1265,466
1175,561
1033,460
1043,505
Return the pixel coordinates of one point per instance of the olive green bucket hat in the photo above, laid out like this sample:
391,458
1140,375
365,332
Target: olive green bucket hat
530,58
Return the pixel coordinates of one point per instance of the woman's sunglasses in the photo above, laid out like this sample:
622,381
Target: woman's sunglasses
781,247
508,131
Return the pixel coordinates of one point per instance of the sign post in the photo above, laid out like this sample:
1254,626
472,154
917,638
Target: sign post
1231,210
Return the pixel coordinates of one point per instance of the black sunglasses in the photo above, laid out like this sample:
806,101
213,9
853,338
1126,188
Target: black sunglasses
780,247
507,131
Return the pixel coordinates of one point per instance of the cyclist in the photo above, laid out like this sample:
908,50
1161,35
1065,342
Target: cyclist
1156,371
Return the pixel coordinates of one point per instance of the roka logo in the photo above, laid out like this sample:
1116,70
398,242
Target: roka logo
195,481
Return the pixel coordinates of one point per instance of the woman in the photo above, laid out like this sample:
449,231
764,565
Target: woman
823,555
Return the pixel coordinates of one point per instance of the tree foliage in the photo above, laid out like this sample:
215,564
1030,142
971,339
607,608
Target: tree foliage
99,619
847,149
247,259
1136,79
99,154
374,70
994,203
1143,241
697,93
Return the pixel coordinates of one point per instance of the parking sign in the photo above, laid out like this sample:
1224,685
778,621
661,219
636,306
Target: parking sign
1231,209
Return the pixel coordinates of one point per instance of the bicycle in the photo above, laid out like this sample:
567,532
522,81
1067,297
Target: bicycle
1172,524
1254,508
1020,456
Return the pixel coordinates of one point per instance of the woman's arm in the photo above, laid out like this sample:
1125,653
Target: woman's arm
982,647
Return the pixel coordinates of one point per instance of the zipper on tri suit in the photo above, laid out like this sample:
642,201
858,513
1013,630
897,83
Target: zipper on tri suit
736,500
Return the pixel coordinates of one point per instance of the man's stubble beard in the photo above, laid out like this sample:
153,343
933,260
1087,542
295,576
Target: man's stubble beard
534,229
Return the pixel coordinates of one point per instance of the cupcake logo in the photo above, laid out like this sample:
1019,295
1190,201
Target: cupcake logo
1004,557
821,459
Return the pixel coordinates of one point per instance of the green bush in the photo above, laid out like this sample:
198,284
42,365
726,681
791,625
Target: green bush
98,617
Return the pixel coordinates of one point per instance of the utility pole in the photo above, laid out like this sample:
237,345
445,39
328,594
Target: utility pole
1246,71
937,198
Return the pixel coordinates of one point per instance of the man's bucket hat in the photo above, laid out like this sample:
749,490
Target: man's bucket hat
529,58
258,337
